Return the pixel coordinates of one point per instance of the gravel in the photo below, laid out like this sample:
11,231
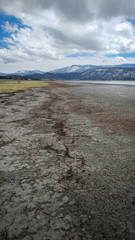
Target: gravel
68,164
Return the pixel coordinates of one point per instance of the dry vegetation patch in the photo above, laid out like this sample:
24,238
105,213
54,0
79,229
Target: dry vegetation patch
13,86
7,86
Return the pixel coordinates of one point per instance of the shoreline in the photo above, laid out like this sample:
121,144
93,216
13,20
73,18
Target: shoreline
105,82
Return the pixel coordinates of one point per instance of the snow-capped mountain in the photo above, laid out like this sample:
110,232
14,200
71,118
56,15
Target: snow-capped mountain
2,74
82,68
74,68
27,72
81,72
112,73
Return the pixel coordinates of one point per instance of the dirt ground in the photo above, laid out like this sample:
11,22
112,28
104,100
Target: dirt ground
67,164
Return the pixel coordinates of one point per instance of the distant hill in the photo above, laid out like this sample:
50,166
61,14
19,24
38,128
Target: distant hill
80,72
27,72
126,66
113,73
2,74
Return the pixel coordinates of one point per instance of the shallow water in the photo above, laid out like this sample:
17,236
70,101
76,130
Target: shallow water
126,83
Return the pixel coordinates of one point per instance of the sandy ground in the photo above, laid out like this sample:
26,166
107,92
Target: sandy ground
67,164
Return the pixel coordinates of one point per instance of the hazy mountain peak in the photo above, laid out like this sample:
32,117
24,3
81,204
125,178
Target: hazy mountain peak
28,72
74,68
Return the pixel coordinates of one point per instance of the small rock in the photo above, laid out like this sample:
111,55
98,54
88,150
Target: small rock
110,193
38,217
57,225
72,203
27,238
84,218
68,218
53,214
65,199
66,226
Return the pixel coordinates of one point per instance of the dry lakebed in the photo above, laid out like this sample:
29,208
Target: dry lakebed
67,163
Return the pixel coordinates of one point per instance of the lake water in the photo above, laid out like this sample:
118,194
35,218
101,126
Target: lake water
125,83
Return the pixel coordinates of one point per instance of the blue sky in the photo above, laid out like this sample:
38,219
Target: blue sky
131,20
54,34
6,32
83,54
124,55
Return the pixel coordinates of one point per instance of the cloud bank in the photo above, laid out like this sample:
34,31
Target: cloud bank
54,29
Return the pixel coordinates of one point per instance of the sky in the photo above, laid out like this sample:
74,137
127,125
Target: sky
50,34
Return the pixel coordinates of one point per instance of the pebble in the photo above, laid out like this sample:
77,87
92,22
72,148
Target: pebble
65,199
53,214
68,218
27,238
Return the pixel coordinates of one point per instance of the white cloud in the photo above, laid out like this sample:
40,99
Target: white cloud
124,26
60,28
10,28
120,60
29,45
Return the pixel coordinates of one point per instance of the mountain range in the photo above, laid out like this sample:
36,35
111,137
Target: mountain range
79,72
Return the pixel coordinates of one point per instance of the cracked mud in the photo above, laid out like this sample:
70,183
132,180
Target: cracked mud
67,165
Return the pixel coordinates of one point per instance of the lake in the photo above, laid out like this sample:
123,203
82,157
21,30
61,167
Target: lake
125,83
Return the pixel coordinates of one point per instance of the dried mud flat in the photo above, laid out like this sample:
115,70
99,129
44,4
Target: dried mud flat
67,164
